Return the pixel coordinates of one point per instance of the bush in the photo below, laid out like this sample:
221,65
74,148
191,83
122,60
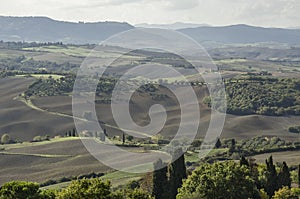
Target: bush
294,129
40,138
15,190
5,139
85,189
286,193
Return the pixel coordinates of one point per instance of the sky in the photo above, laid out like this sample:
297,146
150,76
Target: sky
267,13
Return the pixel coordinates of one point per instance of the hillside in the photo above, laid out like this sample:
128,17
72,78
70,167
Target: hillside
43,29
243,34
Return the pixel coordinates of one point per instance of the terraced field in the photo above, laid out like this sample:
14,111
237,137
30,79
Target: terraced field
46,160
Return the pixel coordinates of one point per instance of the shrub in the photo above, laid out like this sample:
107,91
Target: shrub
5,139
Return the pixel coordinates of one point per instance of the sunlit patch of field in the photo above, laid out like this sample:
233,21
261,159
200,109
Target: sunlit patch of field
292,158
42,76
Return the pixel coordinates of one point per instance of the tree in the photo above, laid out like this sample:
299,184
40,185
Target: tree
85,189
177,172
105,133
263,194
218,181
271,177
137,194
130,194
286,193
74,132
160,180
129,138
232,146
15,189
284,176
218,144
123,138
5,139
243,161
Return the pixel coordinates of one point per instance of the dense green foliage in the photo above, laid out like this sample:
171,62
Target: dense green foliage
78,189
24,65
263,95
294,129
215,181
82,189
51,86
14,45
23,190
64,85
287,193
262,144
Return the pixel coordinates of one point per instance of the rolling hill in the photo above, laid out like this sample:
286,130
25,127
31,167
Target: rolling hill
43,29
243,34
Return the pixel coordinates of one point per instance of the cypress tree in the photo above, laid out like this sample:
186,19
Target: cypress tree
271,175
232,147
243,161
123,138
284,176
105,133
218,143
160,180
74,133
177,172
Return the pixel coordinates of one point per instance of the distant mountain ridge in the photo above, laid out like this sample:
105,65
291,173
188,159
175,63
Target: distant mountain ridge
43,29
173,26
243,34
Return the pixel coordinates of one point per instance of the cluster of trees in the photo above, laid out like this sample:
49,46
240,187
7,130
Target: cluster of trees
239,180
68,179
51,86
246,147
217,181
29,65
262,144
14,45
78,189
262,95
40,138
294,129
71,133
64,85
273,180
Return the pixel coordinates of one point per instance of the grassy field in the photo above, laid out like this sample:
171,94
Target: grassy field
239,127
22,122
292,158
42,76
42,161
68,50
81,51
64,157
117,178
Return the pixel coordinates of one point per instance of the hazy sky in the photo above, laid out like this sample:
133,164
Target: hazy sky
276,13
